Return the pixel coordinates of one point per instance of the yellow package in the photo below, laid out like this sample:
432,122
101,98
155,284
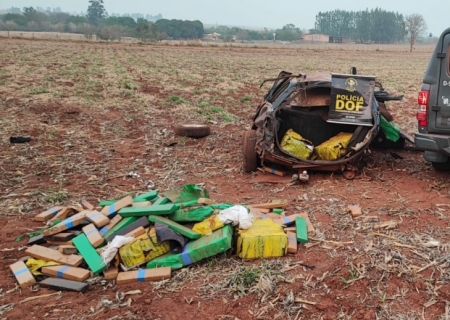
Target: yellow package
142,249
264,239
333,148
35,264
207,226
296,145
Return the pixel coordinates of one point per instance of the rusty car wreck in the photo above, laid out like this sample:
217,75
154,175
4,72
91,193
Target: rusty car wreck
301,104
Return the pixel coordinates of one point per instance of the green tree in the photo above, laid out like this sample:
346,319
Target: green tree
415,26
29,12
314,31
199,29
363,26
376,25
121,21
75,24
242,35
179,29
17,18
35,17
96,12
145,30
288,33
58,17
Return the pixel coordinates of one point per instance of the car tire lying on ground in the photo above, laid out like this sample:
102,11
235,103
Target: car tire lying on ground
250,158
192,130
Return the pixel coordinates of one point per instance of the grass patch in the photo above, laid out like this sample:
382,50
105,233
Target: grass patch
128,84
245,278
38,90
54,196
352,276
245,99
176,99
211,112
227,117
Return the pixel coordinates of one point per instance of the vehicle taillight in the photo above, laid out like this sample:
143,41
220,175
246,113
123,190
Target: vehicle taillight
422,113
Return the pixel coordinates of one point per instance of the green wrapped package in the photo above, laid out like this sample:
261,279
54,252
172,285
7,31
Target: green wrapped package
161,209
184,231
105,203
160,200
121,224
89,254
198,214
197,250
149,196
171,260
391,132
188,192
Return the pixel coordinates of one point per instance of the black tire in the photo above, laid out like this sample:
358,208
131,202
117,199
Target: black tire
192,130
250,158
441,166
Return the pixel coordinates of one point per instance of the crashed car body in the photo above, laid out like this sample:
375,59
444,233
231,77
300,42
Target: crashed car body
308,104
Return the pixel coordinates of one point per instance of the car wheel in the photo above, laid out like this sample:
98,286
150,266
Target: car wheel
192,130
250,158
441,166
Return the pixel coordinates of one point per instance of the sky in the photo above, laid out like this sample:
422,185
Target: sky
253,13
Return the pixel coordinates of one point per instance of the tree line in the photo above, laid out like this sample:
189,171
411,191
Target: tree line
96,22
374,26
287,33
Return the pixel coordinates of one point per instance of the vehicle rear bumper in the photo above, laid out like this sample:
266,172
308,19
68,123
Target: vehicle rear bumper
430,142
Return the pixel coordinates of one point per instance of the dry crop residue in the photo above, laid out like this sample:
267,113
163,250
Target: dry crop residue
95,112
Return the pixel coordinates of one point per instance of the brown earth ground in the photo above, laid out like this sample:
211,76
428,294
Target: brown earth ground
96,112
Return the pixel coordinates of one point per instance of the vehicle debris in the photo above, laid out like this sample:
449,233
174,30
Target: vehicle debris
304,176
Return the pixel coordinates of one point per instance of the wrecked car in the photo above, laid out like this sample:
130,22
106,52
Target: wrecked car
318,121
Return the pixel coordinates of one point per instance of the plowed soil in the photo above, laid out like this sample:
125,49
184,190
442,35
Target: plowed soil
98,112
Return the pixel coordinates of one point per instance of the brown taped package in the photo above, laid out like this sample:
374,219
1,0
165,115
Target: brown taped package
67,272
99,219
48,214
143,275
93,235
22,274
47,254
69,223
292,242
122,203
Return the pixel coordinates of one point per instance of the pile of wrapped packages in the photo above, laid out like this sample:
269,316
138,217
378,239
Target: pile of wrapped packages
332,149
145,237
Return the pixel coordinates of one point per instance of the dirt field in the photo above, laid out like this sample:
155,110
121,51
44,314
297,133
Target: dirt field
96,112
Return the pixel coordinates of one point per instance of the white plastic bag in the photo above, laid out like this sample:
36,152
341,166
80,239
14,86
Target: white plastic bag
236,215
111,249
